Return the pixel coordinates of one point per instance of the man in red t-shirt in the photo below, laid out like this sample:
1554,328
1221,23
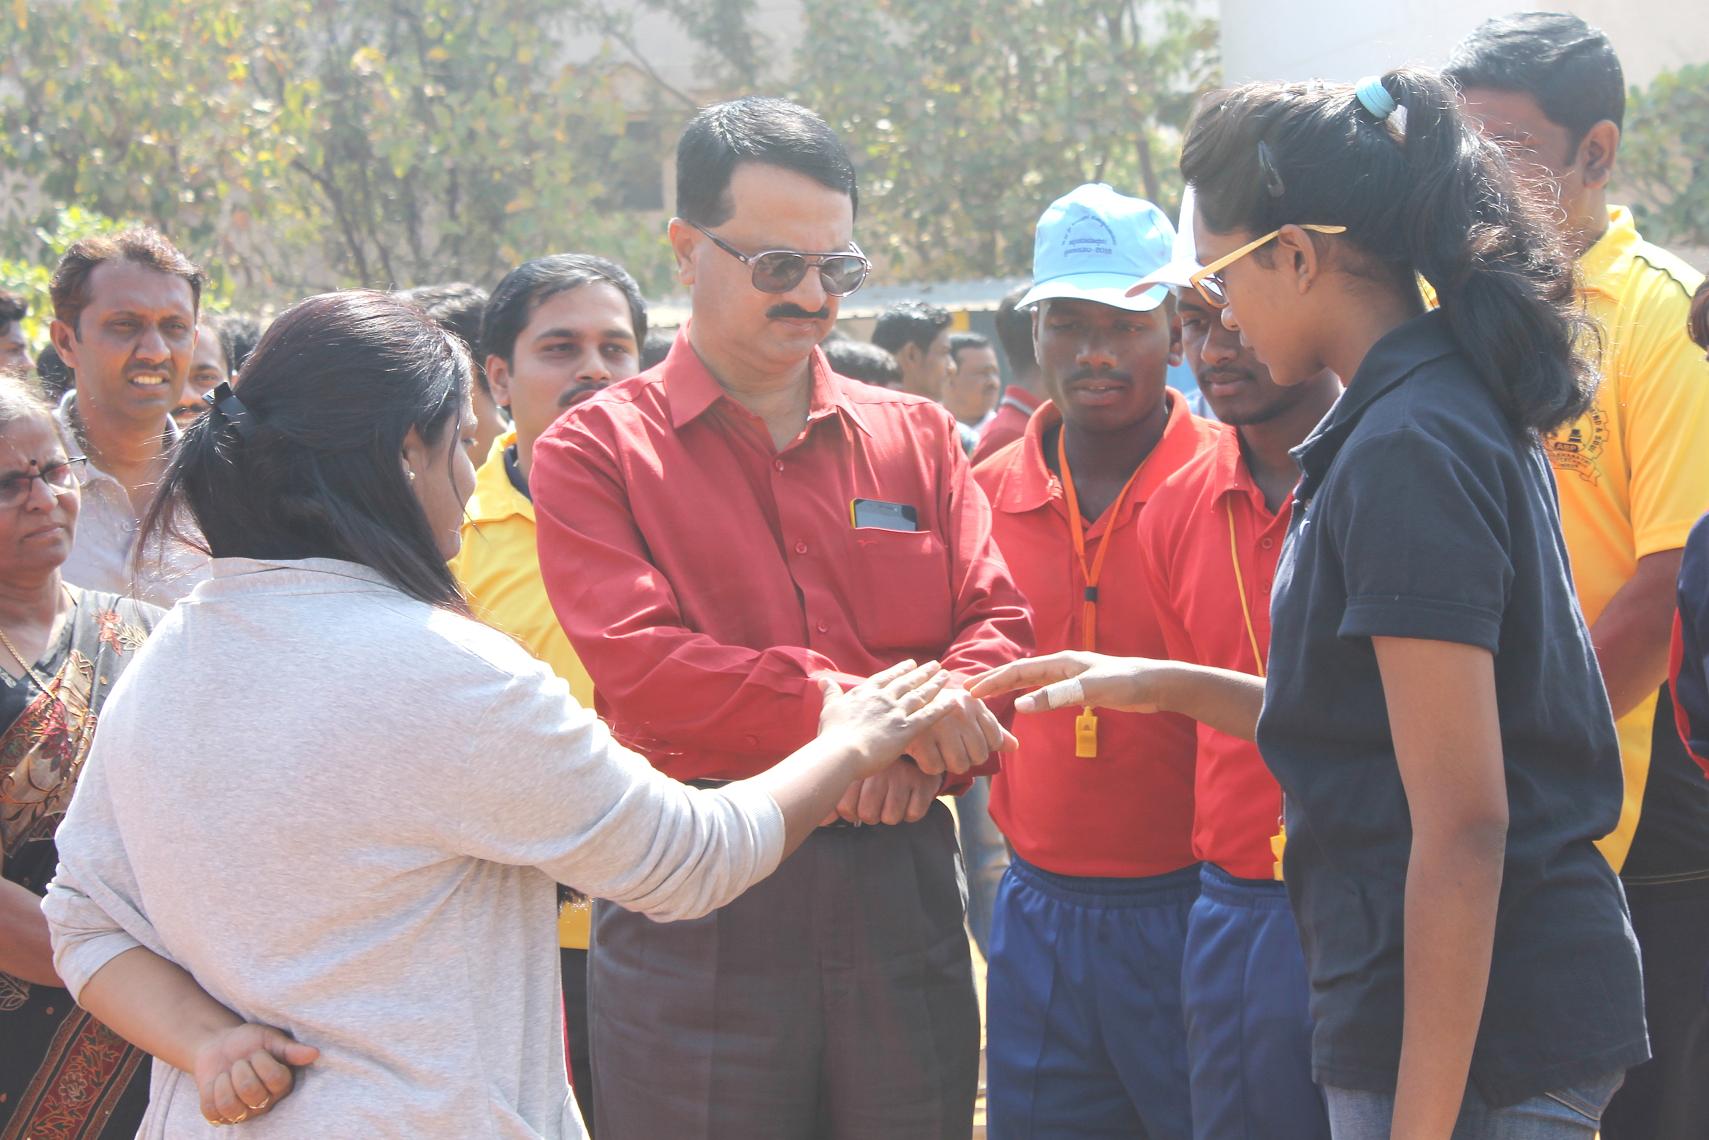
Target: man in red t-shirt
1208,546
1084,1031
716,535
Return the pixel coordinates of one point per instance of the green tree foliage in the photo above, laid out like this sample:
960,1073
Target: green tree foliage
29,274
968,118
1664,157
320,144
308,144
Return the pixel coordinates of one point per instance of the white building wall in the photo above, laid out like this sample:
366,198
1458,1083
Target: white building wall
1344,40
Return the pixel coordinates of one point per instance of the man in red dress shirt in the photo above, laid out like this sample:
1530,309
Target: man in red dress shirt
716,535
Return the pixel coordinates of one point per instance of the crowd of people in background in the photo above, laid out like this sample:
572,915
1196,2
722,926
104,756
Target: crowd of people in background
515,720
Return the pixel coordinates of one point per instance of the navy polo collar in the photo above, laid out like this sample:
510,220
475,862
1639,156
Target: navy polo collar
1391,361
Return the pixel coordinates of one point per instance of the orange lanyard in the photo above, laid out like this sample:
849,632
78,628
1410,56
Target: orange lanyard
1240,587
1086,724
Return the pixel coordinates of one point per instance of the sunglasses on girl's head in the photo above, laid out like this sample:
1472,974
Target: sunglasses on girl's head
780,270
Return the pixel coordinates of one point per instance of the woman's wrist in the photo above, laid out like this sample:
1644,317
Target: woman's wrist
1166,685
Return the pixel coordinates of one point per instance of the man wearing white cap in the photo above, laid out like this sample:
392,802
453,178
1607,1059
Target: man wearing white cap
1085,1033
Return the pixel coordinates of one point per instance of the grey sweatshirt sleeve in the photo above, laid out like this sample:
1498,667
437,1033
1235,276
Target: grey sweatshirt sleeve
546,786
91,906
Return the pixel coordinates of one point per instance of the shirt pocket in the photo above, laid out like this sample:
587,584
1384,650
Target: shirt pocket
901,591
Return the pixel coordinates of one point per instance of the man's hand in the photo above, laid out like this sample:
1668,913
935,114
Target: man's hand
900,793
961,738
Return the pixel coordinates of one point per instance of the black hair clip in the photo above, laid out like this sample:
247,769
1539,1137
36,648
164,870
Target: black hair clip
225,403
1273,184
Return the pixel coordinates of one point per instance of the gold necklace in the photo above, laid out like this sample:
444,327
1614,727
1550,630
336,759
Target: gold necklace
19,657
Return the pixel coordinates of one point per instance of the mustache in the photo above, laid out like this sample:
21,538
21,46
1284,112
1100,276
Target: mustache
1225,375
578,392
1082,374
796,312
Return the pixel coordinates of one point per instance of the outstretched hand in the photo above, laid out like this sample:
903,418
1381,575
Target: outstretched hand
1073,680
244,1071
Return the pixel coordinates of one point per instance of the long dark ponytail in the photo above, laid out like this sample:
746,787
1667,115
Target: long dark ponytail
311,466
1421,193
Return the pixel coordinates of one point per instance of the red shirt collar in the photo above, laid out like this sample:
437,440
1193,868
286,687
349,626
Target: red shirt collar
1032,484
1019,398
691,389
1229,475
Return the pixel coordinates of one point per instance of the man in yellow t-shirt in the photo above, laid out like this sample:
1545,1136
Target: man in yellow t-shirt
556,330
1633,476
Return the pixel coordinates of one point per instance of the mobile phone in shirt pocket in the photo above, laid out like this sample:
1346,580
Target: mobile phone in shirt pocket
901,591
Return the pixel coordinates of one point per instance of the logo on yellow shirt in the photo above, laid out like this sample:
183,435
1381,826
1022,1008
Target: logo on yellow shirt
1579,448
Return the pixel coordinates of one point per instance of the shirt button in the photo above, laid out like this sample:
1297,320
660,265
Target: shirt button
778,465
801,548
823,628
751,741
1267,543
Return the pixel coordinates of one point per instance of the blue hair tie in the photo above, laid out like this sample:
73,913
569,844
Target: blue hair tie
1375,98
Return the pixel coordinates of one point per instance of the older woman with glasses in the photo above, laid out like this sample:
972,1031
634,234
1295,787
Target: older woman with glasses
61,650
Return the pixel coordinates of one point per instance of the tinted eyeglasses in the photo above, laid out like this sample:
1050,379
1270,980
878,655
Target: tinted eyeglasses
780,270
1208,279
59,477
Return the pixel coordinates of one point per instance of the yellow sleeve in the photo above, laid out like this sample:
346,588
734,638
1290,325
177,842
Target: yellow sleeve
1666,384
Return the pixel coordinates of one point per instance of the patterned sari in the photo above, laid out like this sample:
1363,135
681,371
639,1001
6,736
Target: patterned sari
63,1075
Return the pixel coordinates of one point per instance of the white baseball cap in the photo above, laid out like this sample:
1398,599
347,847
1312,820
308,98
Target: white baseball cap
1184,257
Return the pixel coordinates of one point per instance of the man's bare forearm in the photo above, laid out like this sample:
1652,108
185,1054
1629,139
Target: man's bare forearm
1632,633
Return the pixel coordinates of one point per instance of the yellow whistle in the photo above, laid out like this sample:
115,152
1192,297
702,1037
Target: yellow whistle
1278,844
1086,735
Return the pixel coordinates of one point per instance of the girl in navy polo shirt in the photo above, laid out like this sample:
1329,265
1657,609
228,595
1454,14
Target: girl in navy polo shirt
1433,709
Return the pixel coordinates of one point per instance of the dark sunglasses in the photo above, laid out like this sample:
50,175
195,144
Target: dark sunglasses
780,270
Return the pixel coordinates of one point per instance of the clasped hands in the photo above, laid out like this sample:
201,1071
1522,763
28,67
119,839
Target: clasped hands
903,792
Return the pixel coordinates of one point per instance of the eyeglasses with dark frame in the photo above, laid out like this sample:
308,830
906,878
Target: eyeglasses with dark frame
59,478
780,270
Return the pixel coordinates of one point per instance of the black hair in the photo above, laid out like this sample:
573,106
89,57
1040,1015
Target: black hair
1563,63
55,378
1697,319
239,333
1015,333
959,342
12,308
1421,195
909,322
140,245
526,286
859,360
314,469
214,323
655,348
775,132
456,307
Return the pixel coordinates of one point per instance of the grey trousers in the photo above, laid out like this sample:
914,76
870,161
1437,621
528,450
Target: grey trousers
835,999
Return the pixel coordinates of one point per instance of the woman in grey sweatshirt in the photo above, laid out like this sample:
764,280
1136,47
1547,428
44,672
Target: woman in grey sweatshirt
317,841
